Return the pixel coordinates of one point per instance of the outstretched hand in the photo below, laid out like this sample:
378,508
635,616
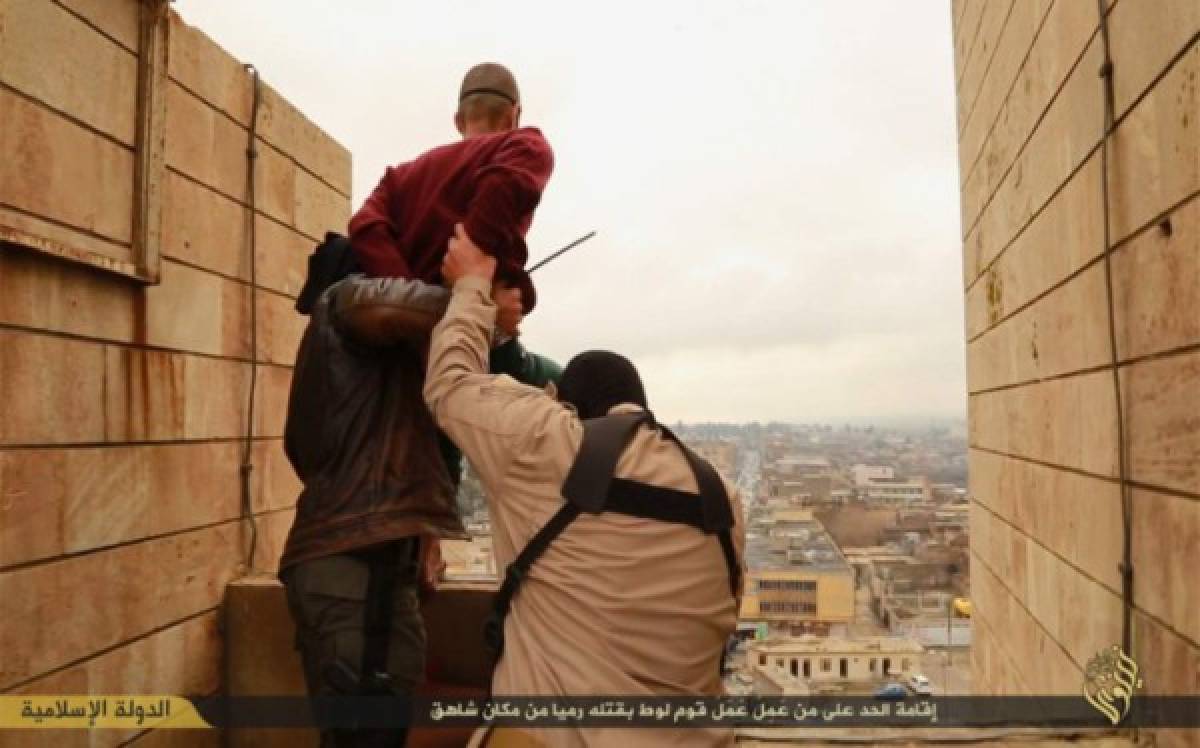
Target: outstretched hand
464,258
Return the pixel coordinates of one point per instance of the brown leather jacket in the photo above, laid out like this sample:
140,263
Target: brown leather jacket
358,433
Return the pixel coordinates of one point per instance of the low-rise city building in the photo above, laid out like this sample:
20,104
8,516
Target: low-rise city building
797,578
894,491
817,660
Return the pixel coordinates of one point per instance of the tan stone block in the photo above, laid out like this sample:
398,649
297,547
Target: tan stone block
204,228
1067,134
200,65
1069,422
1075,516
1039,660
274,384
1015,41
159,396
1170,664
193,310
117,18
297,199
260,659
1066,31
91,190
956,12
1063,238
1166,553
994,145
275,186
991,29
100,600
282,257
1019,570
1156,286
46,294
1144,36
1155,161
182,659
981,520
280,328
1004,676
984,480
1036,588
318,207
204,144
980,654
1063,332
272,534
284,126
1010,559
92,79
276,485
52,389
59,501
1069,593
1162,429
964,35
989,643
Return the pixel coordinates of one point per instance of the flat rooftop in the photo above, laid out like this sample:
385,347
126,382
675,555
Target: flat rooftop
833,645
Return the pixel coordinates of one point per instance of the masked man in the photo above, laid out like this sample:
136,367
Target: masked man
623,549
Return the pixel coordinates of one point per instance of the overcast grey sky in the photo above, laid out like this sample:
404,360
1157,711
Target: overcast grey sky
774,183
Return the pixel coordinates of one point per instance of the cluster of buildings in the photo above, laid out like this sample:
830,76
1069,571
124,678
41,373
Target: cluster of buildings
818,615
797,579
810,664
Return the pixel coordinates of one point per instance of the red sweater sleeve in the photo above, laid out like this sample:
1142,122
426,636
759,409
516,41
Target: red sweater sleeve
507,189
374,236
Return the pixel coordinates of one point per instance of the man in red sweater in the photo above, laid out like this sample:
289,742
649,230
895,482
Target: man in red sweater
378,491
490,181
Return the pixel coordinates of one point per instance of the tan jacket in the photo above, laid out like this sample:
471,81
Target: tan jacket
617,605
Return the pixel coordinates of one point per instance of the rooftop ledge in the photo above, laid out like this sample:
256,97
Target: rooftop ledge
260,661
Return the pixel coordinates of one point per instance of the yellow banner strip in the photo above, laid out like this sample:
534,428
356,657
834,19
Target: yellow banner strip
99,712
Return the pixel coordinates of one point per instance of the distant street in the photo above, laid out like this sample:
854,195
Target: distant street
948,670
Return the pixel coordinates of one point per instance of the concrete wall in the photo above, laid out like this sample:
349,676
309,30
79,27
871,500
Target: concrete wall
1046,519
122,404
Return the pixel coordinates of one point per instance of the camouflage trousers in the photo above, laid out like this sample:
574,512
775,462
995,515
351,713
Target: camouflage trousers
328,602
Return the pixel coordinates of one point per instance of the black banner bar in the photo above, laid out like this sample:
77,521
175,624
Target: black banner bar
676,712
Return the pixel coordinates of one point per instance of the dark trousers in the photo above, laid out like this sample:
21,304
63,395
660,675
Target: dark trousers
328,601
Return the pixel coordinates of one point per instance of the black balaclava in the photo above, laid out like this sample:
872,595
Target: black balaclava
595,381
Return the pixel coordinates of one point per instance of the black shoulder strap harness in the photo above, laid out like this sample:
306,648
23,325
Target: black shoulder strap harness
591,487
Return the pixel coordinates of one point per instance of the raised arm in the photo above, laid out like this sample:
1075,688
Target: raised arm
487,416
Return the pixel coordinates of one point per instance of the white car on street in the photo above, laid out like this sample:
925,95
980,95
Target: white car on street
919,685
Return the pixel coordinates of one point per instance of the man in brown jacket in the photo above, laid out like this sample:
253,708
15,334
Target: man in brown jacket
616,604
378,489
